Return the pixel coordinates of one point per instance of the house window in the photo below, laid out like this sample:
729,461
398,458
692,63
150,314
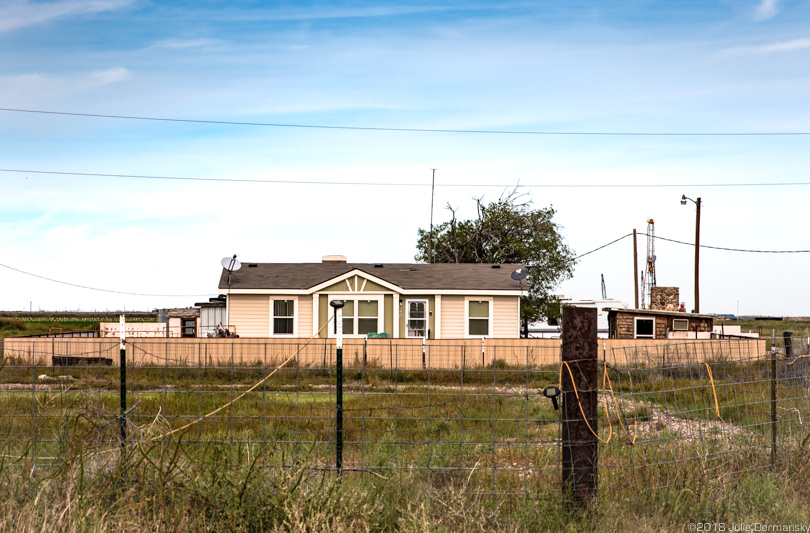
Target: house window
478,318
283,316
645,328
189,328
367,313
416,319
680,324
360,316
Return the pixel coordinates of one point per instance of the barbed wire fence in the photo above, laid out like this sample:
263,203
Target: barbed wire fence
461,414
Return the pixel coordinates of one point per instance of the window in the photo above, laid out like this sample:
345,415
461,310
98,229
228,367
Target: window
416,319
283,317
189,327
680,324
478,318
367,316
360,316
645,328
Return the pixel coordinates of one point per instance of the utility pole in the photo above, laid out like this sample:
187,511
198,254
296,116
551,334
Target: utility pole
635,265
430,243
698,203
697,258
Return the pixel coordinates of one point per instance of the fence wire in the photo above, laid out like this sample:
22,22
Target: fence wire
460,413
701,411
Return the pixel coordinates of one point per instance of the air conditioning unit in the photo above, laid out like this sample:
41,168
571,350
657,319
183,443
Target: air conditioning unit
680,324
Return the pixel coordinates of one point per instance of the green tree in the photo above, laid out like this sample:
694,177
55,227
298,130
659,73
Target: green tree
509,230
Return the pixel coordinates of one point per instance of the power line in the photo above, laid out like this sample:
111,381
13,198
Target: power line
603,246
701,246
96,289
410,184
736,249
416,130
575,258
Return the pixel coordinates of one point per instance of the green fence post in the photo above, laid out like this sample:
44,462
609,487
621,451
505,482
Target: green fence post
123,390
338,307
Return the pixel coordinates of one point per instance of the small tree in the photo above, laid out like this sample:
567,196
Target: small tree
508,230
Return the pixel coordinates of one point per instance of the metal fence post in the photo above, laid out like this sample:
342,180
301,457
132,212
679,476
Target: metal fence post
123,392
773,408
580,353
338,306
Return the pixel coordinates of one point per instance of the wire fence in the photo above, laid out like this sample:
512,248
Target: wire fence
707,411
474,420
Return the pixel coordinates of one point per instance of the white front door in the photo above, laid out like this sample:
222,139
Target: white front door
416,319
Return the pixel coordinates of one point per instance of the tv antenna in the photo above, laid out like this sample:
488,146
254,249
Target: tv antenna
604,289
231,264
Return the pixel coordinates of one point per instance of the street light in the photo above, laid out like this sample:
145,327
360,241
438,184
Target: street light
697,202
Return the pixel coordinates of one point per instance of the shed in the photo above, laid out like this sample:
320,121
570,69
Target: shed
657,324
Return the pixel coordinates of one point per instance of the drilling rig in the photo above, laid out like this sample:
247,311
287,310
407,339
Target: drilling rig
648,274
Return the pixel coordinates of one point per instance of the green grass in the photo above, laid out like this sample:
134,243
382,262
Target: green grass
766,327
170,487
15,327
430,454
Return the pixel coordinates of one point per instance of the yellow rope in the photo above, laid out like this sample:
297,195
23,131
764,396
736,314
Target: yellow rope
268,376
714,392
796,359
616,405
581,410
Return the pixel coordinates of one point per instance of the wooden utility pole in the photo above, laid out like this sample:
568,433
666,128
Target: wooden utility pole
635,265
580,352
430,244
697,258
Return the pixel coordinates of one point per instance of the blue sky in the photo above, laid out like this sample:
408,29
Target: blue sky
644,66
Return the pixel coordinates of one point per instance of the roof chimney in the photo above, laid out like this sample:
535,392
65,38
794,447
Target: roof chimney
333,259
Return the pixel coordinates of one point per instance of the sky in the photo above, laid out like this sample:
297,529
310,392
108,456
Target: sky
569,67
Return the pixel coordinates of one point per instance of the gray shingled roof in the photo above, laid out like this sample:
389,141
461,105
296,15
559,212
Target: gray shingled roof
408,276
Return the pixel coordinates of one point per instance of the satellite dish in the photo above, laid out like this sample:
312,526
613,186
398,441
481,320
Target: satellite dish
231,263
519,274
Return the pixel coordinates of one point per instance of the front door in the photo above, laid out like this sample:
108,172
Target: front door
416,319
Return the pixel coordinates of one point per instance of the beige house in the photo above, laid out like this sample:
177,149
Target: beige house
436,301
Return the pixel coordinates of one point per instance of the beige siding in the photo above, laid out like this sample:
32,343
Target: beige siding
305,316
452,317
506,323
250,313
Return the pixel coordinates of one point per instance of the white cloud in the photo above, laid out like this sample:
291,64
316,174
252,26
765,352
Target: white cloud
21,13
41,89
783,46
766,10
113,75
187,43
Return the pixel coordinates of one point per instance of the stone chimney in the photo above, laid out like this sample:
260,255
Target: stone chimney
333,259
664,298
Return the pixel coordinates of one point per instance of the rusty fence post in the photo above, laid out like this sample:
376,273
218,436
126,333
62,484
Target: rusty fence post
580,351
